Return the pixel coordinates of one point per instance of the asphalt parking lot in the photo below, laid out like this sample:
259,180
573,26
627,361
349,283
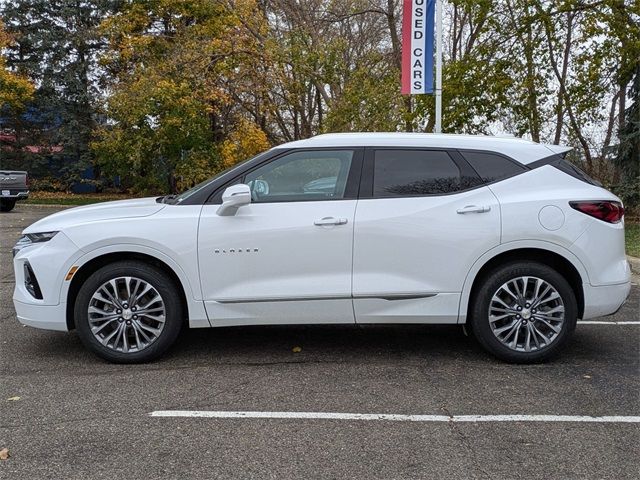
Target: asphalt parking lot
78,417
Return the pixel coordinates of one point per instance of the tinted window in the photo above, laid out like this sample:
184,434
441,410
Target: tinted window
302,176
566,167
492,167
414,172
576,172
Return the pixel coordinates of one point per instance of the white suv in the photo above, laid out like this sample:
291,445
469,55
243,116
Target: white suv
501,234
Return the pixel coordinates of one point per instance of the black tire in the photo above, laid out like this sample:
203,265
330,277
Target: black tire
158,279
7,205
479,312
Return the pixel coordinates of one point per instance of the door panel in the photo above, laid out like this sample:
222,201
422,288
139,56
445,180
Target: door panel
274,253
419,247
287,256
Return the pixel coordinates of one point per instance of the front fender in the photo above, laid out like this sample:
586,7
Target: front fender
195,306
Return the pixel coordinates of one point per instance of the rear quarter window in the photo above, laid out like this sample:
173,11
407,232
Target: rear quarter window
492,167
575,171
565,166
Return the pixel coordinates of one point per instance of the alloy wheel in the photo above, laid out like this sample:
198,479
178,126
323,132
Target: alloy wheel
126,314
526,314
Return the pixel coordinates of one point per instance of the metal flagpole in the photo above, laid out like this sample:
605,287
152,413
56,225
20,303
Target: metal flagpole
438,127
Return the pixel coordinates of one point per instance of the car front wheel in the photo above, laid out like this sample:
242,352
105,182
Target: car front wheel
524,312
128,312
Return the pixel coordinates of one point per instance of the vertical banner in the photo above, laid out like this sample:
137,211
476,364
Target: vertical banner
417,46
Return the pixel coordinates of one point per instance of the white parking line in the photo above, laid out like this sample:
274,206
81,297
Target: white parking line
395,417
602,322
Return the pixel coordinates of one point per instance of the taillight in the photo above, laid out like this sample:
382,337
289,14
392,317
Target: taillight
26,180
605,210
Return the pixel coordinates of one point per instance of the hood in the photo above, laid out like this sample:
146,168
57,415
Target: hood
139,207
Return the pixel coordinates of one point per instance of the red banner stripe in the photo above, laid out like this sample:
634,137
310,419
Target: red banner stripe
406,47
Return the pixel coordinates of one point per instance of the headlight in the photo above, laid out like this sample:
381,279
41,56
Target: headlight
30,239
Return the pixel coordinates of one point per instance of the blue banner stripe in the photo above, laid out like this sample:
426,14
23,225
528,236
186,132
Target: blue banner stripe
428,46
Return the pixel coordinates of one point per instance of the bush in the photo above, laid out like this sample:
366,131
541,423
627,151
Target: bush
629,193
47,184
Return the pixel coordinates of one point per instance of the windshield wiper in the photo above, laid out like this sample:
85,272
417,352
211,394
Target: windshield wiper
165,198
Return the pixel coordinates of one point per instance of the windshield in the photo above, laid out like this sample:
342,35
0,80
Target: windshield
176,199
192,190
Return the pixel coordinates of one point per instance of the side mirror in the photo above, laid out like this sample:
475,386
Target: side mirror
233,198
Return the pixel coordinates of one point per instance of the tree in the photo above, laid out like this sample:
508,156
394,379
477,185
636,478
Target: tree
57,45
628,154
15,89
628,157
168,92
172,66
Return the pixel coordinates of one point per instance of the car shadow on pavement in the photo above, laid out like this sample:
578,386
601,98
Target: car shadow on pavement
327,341
274,344
264,345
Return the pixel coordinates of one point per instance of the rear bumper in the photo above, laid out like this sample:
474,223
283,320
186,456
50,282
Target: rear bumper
16,195
604,300
47,317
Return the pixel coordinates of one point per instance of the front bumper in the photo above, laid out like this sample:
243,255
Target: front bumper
604,300
47,317
50,261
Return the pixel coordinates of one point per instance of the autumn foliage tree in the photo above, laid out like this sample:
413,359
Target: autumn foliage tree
185,88
171,110
15,90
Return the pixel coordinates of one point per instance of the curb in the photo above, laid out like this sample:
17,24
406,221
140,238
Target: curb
635,264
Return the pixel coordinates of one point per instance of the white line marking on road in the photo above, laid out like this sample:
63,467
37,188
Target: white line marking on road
395,417
602,322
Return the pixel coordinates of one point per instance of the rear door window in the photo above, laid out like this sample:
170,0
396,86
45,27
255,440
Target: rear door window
406,173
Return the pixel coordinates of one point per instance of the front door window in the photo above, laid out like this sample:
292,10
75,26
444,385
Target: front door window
301,176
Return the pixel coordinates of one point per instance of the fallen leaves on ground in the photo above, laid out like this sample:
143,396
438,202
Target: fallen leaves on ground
13,399
296,349
4,454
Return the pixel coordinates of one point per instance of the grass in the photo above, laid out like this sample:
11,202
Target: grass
61,198
632,238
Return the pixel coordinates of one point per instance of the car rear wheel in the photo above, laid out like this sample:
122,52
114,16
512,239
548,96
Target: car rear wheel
128,312
524,312
7,205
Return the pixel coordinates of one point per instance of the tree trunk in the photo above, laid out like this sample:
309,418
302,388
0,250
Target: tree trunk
532,96
563,79
623,105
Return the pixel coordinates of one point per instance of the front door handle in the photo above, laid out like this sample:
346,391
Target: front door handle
330,221
474,209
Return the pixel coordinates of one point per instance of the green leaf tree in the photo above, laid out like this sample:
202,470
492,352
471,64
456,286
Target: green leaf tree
57,44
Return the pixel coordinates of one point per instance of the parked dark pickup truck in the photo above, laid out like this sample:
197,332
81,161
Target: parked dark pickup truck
13,187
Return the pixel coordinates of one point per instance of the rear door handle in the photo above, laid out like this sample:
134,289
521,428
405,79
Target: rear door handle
474,209
330,221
